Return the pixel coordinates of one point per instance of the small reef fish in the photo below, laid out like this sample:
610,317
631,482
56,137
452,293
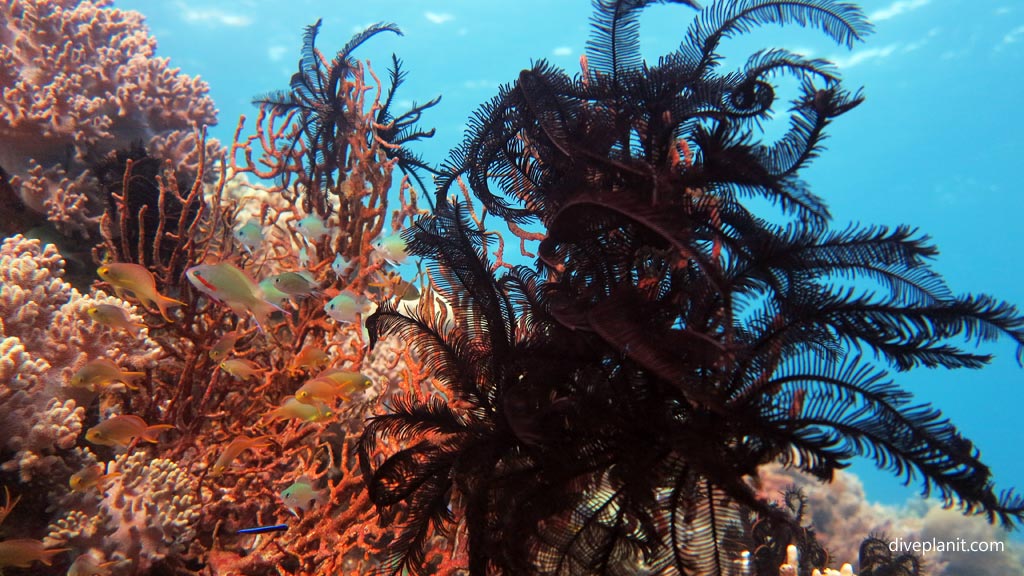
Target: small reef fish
348,382
309,357
304,260
297,284
312,228
89,565
226,344
263,529
271,293
292,408
22,552
122,429
90,477
236,447
391,248
250,235
101,372
114,317
345,307
404,289
339,265
124,276
317,390
302,496
241,368
227,283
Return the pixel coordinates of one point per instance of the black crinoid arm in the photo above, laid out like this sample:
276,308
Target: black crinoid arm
607,409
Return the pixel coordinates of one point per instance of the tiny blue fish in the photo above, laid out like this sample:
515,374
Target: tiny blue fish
262,529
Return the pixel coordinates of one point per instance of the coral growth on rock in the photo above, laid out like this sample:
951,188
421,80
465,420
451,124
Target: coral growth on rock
81,79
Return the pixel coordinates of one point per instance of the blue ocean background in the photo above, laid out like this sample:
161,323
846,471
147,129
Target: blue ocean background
937,145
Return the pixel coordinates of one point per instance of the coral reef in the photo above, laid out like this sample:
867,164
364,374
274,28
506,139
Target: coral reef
605,410
843,517
148,511
81,79
606,413
46,335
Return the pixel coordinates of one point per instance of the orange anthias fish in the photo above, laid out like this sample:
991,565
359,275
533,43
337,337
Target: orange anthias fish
89,477
22,552
224,345
136,279
236,447
318,390
101,372
309,357
114,317
241,368
122,429
292,408
349,383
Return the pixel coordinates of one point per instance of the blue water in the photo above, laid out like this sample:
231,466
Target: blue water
936,145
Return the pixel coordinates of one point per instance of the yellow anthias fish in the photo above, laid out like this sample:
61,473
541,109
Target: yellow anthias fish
226,344
22,552
122,429
124,276
90,476
114,317
349,383
292,408
101,372
88,565
227,283
302,496
241,368
236,447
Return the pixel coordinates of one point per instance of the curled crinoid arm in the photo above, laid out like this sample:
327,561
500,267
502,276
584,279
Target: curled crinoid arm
9,504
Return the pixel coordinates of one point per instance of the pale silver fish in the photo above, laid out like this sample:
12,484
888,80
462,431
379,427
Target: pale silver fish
346,306
250,235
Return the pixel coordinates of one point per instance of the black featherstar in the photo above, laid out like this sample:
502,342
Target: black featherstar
608,409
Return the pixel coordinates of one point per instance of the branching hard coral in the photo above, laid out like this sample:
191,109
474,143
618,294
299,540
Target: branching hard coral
609,408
